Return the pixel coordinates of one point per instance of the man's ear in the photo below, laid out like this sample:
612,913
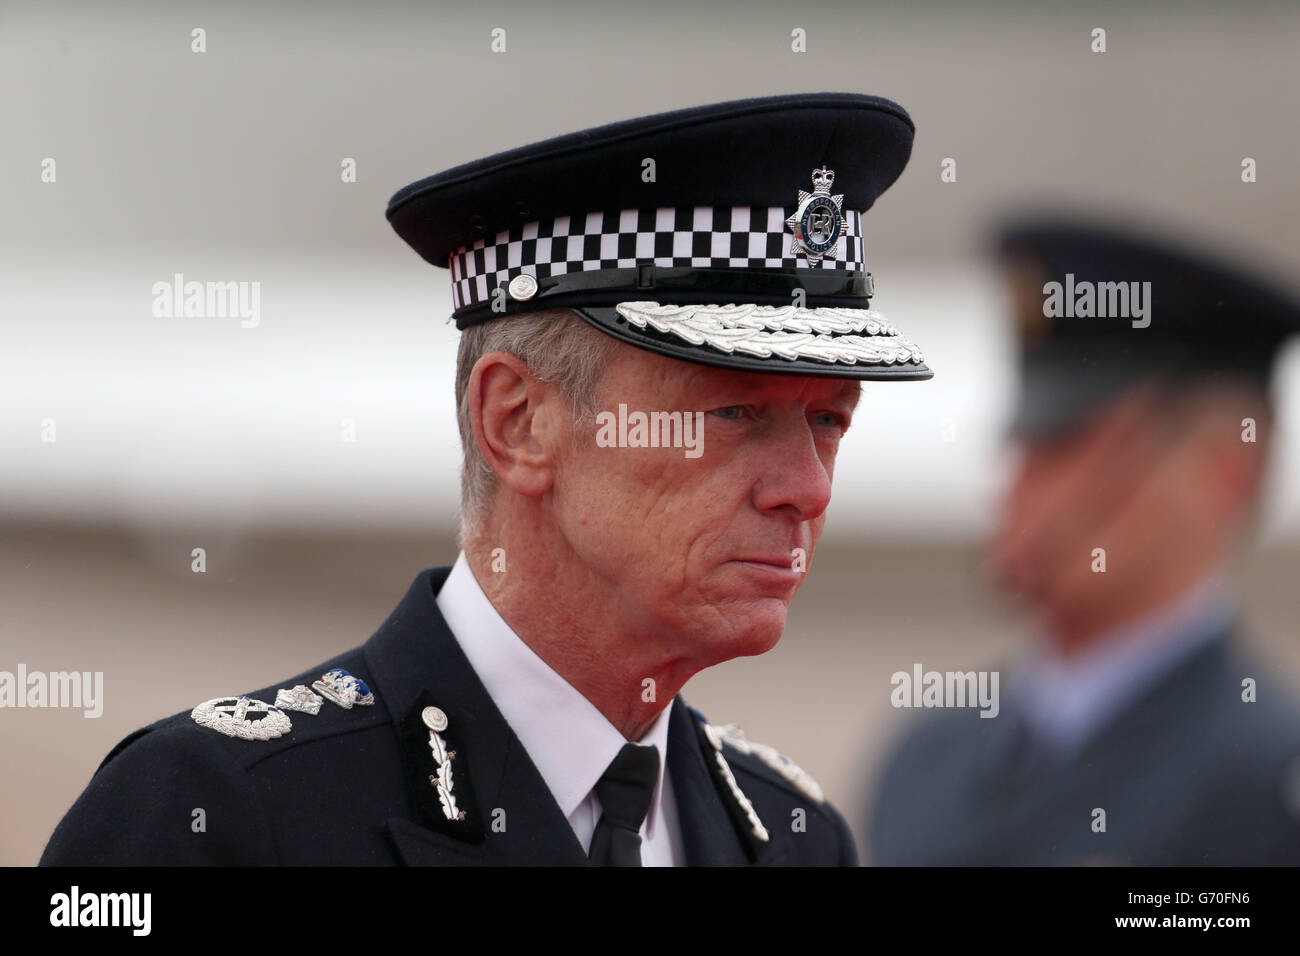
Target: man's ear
513,414
1237,468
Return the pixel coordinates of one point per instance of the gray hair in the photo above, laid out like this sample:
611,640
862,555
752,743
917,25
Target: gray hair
560,348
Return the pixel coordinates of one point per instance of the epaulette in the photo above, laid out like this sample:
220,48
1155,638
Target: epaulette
248,718
734,737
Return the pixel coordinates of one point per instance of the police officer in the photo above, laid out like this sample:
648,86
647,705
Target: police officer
664,323
1139,731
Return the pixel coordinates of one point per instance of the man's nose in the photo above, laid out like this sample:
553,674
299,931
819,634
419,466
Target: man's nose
793,477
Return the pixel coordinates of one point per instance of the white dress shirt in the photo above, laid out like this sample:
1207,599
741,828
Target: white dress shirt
568,739
1067,700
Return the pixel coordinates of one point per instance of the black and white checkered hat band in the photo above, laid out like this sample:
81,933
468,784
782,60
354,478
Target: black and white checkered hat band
736,237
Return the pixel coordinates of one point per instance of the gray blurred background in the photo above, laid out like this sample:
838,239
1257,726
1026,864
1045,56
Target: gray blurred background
176,433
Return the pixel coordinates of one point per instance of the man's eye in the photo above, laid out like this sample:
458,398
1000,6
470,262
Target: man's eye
832,419
730,412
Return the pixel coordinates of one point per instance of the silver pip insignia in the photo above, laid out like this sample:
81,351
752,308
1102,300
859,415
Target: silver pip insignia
300,698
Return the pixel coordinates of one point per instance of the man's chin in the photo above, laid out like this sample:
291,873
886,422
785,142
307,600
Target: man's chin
756,629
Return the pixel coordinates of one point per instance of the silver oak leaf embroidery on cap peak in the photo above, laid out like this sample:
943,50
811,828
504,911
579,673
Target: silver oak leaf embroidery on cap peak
848,336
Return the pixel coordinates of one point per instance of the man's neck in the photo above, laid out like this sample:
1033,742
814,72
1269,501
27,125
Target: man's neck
568,620
1083,635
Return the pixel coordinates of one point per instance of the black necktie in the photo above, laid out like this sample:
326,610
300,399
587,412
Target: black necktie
624,791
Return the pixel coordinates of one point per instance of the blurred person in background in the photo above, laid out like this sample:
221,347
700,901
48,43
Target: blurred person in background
1138,730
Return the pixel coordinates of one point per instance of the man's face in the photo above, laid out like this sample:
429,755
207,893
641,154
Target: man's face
1128,488
703,550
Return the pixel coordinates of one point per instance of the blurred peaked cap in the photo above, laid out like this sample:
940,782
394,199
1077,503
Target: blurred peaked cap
1129,308
727,235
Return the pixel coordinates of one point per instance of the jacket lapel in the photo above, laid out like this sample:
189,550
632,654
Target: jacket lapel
510,817
709,831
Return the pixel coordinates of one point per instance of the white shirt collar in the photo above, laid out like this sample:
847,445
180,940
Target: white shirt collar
568,739
1067,699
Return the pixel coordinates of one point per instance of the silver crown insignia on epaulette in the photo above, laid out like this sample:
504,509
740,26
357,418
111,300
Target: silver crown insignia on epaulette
735,737
342,688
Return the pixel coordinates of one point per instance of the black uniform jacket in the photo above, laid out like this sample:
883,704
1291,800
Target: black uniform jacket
359,786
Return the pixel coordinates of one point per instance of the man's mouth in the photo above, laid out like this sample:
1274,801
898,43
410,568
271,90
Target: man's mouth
771,571
780,561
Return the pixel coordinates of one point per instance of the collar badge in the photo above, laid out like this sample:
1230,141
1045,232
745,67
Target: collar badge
435,718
